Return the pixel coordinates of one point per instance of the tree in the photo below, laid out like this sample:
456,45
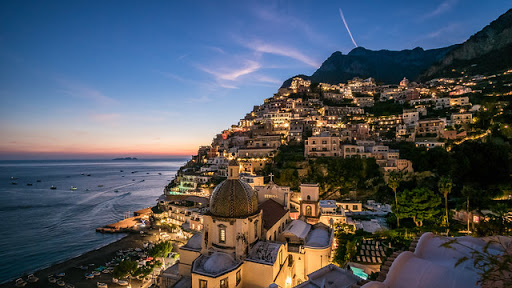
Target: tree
161,250
125,268
470,193
445,187
420,204
394,183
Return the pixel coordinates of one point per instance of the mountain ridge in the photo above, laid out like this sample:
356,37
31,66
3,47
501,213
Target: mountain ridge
489,49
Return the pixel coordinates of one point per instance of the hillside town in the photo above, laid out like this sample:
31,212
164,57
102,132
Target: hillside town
242,213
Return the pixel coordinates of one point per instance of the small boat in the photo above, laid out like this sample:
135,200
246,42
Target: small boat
159,173
32,279
53,187
116,190
14,183
20,282
88,174
147,173
61,283
73,188
100,185
133,179
142,180
86,189
29,184
101,285
89,276
122,283
15,178
69,285
96,273
61,274
38,181
120,170
52,279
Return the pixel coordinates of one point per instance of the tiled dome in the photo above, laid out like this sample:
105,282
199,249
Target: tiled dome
233,198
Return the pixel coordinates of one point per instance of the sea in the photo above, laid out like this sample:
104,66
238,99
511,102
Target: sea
43,226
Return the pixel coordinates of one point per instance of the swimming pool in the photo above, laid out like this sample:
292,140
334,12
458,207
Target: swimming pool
359,273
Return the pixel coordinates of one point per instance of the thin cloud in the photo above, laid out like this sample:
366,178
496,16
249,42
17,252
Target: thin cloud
281,50
79,90
231,74
266,79
442,8
281,18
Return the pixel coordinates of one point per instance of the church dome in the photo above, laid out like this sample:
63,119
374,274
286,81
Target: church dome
233,198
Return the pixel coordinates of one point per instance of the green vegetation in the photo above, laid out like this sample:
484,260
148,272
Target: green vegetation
339,176
161,250
126,268
386,108
420,204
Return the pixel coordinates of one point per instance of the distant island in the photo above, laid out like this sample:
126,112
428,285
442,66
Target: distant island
126,158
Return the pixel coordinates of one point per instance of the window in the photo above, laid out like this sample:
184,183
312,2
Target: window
222,234
224,283
354,207
308,210
238,277
256,229
309,197
203,283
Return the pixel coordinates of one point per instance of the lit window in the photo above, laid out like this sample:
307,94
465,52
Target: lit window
203,283
308,210
222,234
224,283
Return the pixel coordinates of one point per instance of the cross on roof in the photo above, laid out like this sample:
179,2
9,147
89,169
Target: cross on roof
271,177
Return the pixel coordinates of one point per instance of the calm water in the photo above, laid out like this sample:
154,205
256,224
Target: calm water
43,226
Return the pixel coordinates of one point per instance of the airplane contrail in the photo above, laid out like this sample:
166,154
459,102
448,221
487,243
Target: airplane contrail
346,26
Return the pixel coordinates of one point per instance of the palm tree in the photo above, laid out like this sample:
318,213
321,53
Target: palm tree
393,183
445,187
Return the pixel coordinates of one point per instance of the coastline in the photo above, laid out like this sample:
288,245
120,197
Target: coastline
97,257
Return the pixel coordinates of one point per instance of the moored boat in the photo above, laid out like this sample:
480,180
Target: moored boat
53,187
20,282
89,276
73,188
101,285
52,279
32,279
61,283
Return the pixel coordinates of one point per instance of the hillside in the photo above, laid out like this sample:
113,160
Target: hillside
487,51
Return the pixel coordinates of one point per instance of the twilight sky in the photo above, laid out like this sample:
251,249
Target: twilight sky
153,78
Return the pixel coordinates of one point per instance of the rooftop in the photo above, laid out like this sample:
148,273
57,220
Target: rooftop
272,213
215,264
330,276
264,252
298,228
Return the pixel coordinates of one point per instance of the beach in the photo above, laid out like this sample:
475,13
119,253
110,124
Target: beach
98,257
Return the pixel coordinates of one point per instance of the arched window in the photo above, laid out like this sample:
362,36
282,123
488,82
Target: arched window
308,210
309,197
222,234
256,229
